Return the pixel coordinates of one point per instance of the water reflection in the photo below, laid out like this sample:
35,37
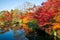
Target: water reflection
10,35
7,36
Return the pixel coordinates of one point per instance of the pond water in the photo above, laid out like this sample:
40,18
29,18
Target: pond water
7,36
10,35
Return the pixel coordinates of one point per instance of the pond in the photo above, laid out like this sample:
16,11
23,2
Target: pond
10,35
7,36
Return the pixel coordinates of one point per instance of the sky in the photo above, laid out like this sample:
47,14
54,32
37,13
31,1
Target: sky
12,4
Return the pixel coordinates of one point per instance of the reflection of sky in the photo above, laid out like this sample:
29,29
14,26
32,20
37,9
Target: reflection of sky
7,36
11,4
10,35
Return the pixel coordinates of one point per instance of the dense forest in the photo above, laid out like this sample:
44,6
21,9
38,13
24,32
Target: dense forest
39,22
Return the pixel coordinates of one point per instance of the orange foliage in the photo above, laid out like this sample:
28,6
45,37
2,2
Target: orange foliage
25,27
57,18
56,25
27,17
7,16
58,32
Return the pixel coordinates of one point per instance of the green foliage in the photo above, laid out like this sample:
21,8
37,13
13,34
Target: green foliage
33,24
